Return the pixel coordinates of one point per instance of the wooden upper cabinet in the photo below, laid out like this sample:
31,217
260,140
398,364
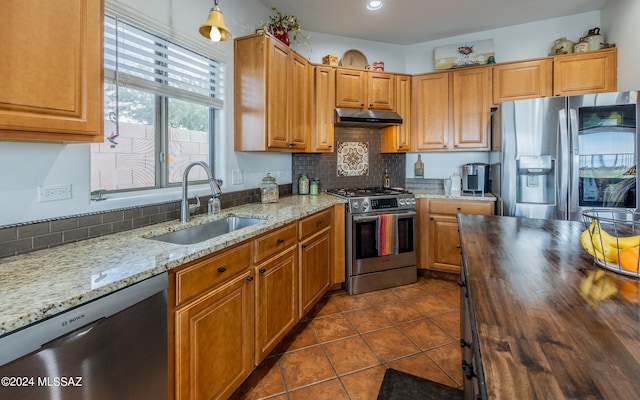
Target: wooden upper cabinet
299,106
588,72
351,88
272,96
380,91
364,89
324,104
471,108
51,71
277,98
431,111
522,80
397,138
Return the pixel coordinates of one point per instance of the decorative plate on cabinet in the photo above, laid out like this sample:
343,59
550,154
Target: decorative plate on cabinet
354,59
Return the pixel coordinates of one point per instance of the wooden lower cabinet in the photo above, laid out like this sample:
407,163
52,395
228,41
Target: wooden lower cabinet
228,310
315,269
276,301
214,341
439,240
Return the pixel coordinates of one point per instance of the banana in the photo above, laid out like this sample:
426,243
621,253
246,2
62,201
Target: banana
604,248
616,241
592,243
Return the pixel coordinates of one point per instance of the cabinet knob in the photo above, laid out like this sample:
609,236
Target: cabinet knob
249,278
318,222
464,344
457,246
291,144
262,270
304,246
222,269
370,105
280,241
461,283
330,147
444,145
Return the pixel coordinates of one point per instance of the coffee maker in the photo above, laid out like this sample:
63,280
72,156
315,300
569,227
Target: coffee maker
475,178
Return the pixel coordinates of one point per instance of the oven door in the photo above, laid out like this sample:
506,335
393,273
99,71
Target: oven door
364,240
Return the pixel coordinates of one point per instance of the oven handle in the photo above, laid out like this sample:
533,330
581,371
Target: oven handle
373,217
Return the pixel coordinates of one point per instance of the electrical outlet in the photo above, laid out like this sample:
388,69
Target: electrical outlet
55,192
236,177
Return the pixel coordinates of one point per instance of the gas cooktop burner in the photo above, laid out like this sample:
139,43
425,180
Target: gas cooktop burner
367,192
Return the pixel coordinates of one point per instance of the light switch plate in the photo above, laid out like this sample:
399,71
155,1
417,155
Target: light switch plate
236,177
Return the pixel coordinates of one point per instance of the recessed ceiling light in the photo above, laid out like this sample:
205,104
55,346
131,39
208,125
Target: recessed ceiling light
374,5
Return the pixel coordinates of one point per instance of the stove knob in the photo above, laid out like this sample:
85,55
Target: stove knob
355,205
413,201
365,205
401,202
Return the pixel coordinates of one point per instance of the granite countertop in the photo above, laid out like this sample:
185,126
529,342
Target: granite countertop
46,282
455,195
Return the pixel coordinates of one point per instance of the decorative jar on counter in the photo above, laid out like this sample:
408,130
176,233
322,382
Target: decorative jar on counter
314,186
303,184
269,190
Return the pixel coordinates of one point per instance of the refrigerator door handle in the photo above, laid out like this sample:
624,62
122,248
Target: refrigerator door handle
564,156
574,158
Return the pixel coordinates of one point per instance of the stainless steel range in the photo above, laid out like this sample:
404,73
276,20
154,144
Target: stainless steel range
380,238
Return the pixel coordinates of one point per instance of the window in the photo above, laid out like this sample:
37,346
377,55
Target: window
160,101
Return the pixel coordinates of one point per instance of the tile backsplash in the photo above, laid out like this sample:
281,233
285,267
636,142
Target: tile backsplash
35,235
325,165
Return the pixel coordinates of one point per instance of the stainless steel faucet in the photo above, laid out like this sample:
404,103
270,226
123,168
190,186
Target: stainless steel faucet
185,208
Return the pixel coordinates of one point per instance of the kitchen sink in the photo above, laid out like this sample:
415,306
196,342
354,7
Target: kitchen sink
209,230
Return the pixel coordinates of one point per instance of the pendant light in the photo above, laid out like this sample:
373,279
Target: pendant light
214,28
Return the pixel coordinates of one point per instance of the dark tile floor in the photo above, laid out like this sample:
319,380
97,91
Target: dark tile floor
340,350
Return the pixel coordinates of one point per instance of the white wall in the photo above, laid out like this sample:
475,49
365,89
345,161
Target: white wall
512,43
620,26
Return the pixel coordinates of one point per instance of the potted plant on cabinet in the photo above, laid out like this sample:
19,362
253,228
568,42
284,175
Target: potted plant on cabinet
279,25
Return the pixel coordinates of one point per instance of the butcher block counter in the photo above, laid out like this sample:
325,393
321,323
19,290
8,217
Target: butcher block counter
543,322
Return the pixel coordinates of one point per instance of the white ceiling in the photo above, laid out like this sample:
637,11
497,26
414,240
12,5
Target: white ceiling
406,22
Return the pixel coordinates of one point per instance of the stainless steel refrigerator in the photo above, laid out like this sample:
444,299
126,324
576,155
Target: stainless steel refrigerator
561,155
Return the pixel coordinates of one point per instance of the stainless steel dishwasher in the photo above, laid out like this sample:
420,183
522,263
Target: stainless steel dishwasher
114,347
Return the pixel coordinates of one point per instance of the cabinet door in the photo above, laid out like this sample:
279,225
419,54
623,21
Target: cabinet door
299,109
351,88
276,301
277,95
431,123
398,138
522,80
51,71
445,242
380,91
471,108
214,339
324,108
581,73
315,270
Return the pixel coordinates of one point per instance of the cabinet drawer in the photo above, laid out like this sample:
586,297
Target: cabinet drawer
314,223
275,242
464,207
211,271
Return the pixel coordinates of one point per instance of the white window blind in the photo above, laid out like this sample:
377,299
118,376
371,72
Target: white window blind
140,60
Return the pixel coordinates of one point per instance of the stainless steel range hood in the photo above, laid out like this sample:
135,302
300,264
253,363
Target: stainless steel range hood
366,118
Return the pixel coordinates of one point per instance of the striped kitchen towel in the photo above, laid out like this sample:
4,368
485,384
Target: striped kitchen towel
387,234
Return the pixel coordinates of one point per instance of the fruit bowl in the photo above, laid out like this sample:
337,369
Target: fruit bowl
612,237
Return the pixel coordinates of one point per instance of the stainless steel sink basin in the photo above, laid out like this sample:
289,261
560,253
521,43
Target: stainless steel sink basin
210,230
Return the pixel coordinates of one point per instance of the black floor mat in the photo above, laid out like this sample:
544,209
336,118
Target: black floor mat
398,385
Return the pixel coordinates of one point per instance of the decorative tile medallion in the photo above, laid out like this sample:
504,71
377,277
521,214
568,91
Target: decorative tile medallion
353,158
